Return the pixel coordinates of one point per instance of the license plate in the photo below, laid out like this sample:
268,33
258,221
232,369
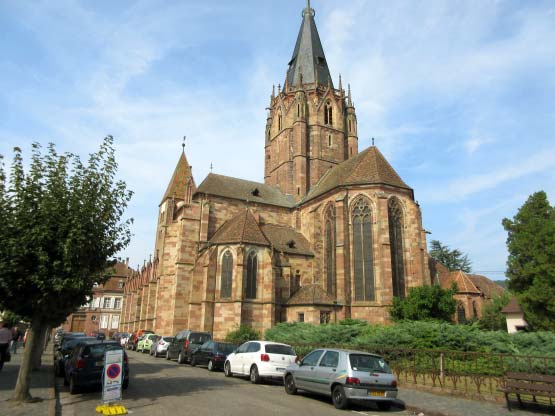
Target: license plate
280,369
377,393
99,364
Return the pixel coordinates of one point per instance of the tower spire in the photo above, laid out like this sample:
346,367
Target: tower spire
308,56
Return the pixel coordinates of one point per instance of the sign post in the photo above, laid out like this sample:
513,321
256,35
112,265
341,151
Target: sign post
112,380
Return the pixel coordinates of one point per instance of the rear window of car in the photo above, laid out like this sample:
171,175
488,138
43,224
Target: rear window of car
199,338
168,339
370,363
226,348
279,349
97,351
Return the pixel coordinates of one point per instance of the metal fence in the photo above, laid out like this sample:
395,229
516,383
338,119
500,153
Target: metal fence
471,374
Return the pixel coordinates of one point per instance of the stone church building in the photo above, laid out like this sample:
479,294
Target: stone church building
332,233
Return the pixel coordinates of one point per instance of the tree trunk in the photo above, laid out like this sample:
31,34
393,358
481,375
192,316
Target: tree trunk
21,392
39,348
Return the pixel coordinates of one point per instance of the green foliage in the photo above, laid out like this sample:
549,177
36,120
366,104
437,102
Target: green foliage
61,222
531,262
452,259
242,334
425,302
11,319
423,335
492,319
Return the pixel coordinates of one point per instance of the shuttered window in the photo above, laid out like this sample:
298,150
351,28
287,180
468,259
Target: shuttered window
227,275
363,256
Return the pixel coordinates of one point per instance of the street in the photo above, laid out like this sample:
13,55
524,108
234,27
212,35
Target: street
161,387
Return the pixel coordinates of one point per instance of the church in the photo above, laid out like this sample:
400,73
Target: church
332,233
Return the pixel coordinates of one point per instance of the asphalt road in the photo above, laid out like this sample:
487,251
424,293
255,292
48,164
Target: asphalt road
161,387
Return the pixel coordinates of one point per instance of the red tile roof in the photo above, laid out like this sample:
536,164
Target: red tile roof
242,228
310,295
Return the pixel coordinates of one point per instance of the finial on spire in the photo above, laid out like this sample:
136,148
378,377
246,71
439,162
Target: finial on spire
308,10
279,89
340,84
273,91
349,101
183,144
372,141
211,167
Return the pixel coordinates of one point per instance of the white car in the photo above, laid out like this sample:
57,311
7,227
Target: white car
260,359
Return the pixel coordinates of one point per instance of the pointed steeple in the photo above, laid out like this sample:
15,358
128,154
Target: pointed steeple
308,57
181,180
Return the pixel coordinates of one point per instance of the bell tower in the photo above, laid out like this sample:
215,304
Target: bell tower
311,125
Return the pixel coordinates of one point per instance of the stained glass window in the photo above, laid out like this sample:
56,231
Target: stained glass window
363,256
252,266
395,216
227,275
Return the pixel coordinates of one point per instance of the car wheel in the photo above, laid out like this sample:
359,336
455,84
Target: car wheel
210,366
180,358
72,387
338,397
227,370
290,387
167,355
193,361
254,376
383,405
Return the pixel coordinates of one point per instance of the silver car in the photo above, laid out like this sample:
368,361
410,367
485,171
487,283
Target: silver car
345,376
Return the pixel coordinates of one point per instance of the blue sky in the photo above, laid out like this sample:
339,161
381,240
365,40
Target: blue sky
459,95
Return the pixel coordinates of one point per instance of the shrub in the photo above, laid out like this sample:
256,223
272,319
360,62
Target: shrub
242,334
425,302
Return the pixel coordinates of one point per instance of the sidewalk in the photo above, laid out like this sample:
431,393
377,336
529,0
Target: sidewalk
436,405
42,386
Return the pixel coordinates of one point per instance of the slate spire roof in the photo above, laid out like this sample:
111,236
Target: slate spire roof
367,167
308,57
181,178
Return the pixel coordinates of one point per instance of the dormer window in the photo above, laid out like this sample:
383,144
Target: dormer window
291,244
321,61
255,192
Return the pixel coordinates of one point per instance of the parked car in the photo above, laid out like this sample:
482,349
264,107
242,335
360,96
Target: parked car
86,365
118,336
184,343
260,359
160,347
345,376
144,344
64,352
135,337
69,335
212,354
98,335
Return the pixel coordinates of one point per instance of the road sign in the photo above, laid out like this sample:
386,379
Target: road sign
112,376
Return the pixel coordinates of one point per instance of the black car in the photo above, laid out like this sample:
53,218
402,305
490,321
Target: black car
184,343
212,354
64,352
86,365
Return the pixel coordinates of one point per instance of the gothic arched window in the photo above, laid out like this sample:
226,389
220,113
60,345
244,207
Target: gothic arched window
395,216
328,114
227,275
329,246
461,314
363,263
252,269
279,121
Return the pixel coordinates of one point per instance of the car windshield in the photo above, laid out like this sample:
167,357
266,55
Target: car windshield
168,339
279,349
97,351
226,348
370,363
199,338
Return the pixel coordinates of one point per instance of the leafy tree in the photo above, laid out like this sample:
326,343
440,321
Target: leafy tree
531,262
492,319
425,302
452,259
61,222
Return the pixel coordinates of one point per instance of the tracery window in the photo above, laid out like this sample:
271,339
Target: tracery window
227,275
329,245
395,216
252,269
363,263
